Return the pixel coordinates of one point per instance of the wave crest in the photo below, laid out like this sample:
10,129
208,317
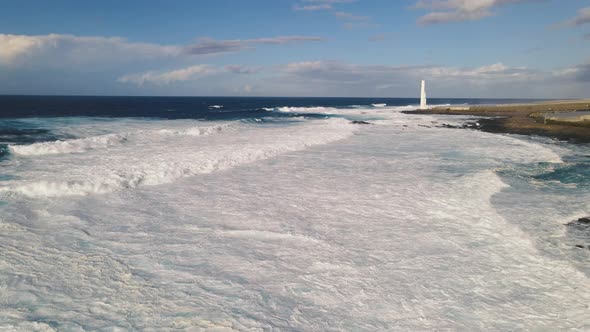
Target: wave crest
69,146
81,145
177,160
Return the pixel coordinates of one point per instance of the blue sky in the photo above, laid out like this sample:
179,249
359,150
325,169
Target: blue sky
463,48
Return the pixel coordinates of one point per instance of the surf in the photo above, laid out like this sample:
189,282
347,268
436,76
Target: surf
154,161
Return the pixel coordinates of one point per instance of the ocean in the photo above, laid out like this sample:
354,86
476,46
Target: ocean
279,214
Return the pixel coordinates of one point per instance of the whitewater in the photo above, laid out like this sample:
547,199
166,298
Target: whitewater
292,223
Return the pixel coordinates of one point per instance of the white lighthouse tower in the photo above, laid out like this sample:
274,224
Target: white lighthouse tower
423,105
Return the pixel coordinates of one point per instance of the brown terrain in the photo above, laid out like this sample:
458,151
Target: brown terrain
527,119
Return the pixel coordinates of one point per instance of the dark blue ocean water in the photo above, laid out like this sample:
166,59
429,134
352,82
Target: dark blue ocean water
13,108
191,107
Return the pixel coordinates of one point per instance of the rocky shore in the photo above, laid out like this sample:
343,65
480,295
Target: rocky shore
526,119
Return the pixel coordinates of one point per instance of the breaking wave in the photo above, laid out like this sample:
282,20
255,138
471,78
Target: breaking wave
69,146
318,110
129,169
196,131
351,110
105,141
4,150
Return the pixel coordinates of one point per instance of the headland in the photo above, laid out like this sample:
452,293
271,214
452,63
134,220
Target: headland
567,120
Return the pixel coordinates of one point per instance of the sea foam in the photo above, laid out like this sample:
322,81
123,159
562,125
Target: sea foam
69,146
407,226
106,141
163,161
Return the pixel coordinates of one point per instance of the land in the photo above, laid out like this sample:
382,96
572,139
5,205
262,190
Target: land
554,119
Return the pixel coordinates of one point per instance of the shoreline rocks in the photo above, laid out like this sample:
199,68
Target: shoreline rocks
521,119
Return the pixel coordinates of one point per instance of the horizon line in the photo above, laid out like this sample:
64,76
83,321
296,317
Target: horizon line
351,97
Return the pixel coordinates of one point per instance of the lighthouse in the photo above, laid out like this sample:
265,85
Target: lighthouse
423,96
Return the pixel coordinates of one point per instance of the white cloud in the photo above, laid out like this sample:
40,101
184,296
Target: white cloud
353,21
56,49
332,78
315,5
281,40
331,1
380,37
446,11
494,72
329,70
324,6
212,46
161,78
350,16
184,74
239,69
75,49
583,17
579,73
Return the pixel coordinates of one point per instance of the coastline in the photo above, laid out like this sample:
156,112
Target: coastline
526,119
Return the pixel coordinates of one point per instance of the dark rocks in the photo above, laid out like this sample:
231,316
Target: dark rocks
470,125
361,122
579,231
580,223
466,125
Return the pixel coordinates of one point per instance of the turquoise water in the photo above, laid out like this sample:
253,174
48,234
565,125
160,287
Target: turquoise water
547,199
575,170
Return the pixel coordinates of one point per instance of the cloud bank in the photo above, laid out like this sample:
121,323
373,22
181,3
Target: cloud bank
317,78
352,73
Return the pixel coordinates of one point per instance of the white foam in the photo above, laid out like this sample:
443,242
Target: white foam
196,131
262,235
106,141
403,108
394,228
317,110
165,161
380,109
69,146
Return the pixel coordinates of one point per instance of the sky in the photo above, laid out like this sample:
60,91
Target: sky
340,48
